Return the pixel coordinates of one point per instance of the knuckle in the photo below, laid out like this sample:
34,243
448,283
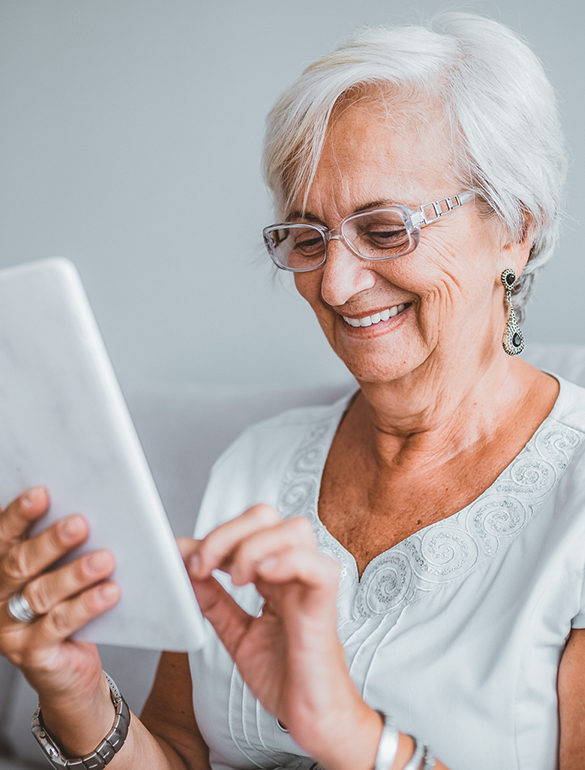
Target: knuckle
58,620
15,565
37,595
302,529
263,514
247,552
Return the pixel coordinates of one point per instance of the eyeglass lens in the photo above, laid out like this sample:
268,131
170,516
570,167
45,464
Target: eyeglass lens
380,234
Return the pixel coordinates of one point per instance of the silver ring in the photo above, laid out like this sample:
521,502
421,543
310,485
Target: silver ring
20,610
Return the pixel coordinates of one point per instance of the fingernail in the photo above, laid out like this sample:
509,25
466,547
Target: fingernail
31,496
71,526
98,561
194,563
108,592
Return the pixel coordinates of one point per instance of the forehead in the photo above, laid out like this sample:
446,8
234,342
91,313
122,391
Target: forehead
384,149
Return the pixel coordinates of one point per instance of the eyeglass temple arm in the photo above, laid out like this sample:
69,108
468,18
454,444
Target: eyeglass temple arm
430,212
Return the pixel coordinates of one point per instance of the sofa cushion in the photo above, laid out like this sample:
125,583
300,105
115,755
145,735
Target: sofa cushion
184,429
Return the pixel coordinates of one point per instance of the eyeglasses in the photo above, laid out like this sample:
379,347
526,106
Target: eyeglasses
376,235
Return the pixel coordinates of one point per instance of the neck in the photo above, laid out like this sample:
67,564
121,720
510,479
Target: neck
447,406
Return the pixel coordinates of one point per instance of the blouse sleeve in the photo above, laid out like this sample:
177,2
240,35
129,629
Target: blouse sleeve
579,619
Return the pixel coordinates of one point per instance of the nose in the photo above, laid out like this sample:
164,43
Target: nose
344,273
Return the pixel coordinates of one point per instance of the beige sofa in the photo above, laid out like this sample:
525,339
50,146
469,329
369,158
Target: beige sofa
183,429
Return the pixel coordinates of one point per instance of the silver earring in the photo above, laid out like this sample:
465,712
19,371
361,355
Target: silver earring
513,339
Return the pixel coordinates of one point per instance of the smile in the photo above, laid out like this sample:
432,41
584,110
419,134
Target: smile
370,320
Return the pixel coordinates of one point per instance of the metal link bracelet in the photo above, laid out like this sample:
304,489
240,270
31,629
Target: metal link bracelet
103,754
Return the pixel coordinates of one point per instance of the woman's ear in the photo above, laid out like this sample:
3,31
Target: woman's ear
516,253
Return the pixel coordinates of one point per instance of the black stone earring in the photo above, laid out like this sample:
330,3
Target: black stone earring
513,339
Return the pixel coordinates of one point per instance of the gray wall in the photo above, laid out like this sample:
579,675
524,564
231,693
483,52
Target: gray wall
130,134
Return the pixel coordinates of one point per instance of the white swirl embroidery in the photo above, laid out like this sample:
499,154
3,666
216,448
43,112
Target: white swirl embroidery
449,548
559,443
391,588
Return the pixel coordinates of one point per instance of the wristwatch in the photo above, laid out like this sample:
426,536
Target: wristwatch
104,753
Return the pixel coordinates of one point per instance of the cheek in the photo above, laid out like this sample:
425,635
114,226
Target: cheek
455,275
308,286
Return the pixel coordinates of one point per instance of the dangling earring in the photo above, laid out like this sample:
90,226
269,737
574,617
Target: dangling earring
513,339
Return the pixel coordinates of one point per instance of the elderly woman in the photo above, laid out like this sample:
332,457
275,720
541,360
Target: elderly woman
408,561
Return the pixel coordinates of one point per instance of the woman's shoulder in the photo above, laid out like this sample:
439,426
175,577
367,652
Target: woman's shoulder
560,444
569,409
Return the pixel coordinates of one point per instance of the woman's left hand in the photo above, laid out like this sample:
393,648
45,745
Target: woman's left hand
290,656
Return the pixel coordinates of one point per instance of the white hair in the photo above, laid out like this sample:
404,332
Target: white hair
507,142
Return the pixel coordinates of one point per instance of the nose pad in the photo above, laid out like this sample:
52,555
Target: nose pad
344,246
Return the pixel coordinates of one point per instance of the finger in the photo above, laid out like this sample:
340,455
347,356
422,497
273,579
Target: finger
296,534
226,616
216,549
27,559
189,550
312,569
47,591
229,620
188,547
69,616
299,585
18,516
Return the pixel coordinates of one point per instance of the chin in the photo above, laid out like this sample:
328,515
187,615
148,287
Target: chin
383,366
380,353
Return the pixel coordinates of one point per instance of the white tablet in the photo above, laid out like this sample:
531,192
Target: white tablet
64,425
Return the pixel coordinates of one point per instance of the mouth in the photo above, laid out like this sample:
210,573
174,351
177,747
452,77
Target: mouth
375,318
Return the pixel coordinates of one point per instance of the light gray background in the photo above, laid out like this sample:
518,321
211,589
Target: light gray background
130,136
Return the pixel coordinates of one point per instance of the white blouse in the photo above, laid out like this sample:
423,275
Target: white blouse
456,632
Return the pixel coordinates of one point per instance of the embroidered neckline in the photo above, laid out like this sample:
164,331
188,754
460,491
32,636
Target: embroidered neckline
447,549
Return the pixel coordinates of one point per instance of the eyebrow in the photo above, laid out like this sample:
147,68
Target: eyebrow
379,204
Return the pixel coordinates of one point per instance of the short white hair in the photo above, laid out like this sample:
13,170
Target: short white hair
510,149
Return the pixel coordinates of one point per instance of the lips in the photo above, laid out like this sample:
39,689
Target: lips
375,318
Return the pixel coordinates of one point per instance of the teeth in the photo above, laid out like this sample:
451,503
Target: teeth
375,318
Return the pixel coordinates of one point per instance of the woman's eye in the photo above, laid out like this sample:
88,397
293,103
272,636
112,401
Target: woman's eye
385,237
308,245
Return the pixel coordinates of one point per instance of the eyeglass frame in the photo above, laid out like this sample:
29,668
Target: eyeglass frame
416,218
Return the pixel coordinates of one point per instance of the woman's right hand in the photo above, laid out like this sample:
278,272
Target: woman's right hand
66,673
